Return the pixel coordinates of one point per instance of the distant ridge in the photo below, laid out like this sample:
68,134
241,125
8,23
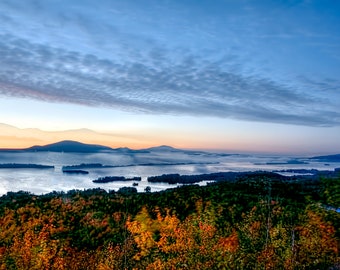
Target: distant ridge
69,146
78,147
163,148
329,158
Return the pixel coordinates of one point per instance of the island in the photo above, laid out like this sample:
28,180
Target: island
329,158
311,174
288,162
107,179
86,166
191,179
75,172
24,166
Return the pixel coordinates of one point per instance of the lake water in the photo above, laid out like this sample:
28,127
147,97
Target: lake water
39,181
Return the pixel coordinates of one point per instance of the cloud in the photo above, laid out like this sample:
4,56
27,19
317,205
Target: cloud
117,56
192,86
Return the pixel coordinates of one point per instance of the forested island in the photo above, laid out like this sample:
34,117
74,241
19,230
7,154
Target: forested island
99,165
312,174
256,221
108,179
24,166
191,179
86,166
75,172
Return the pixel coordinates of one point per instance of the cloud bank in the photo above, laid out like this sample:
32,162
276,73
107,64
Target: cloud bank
152,79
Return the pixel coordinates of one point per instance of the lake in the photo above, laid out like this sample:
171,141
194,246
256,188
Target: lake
40,181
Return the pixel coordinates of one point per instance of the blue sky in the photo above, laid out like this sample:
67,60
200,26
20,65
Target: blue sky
233,75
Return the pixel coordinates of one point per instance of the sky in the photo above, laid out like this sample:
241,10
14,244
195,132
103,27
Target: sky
228,75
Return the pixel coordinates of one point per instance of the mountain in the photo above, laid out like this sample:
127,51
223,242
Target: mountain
169,149
70,146
329,158
162,148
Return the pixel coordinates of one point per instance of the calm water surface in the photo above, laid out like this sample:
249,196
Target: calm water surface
41,181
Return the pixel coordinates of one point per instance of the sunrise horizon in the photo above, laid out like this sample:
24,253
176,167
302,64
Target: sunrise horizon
21,138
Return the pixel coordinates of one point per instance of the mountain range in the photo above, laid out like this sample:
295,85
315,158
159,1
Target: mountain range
78,147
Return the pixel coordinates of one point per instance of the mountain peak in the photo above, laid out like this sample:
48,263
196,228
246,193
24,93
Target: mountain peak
69,146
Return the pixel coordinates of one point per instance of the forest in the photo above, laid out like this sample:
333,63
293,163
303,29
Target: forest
253,222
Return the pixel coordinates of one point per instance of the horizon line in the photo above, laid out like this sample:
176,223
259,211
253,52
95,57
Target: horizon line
240,152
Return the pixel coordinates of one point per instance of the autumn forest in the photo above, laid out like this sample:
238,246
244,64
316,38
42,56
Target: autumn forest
253,222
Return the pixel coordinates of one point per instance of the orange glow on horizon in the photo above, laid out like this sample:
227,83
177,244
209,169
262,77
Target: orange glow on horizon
14,142
17,138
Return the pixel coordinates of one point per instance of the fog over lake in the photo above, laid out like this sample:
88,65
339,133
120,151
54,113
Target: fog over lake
128,164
